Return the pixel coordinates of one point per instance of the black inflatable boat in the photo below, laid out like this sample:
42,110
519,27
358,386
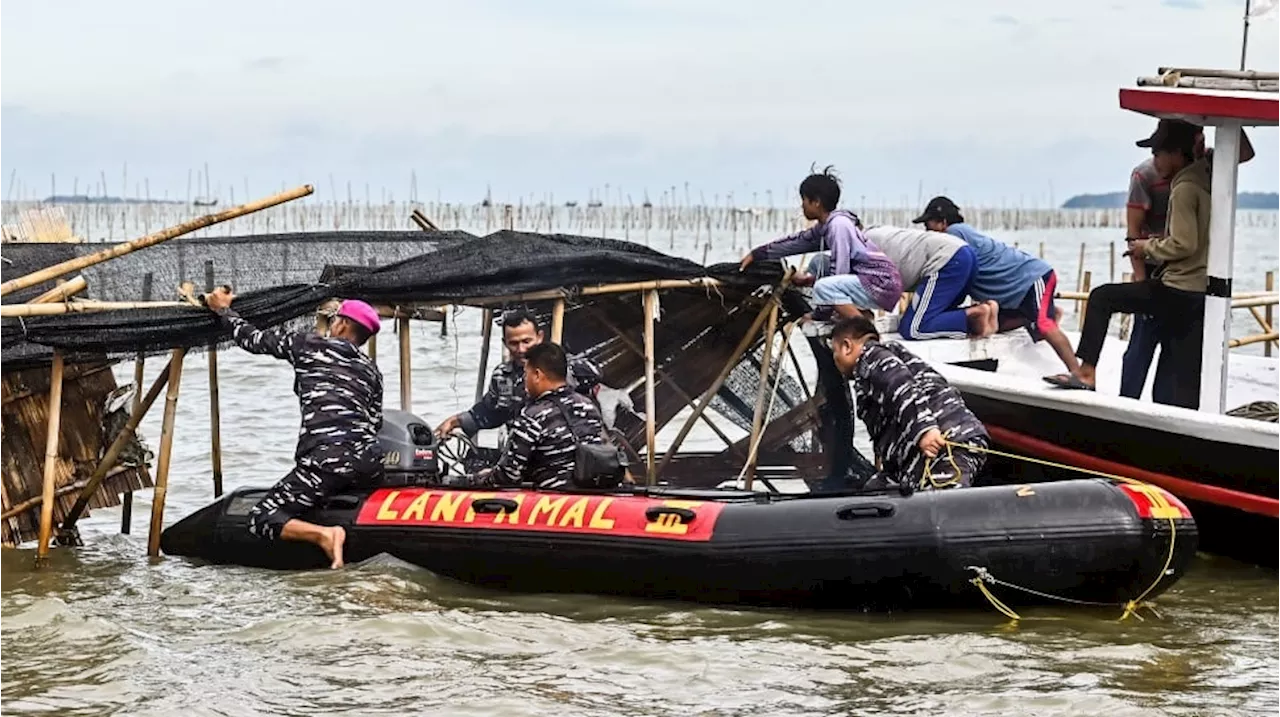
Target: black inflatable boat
1089,540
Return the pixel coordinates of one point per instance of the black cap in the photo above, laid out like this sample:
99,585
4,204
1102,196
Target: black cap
938,208
1171,134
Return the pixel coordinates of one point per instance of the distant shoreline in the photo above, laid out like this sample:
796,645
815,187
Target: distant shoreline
1116,200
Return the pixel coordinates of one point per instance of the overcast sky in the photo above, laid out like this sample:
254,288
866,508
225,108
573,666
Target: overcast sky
990,100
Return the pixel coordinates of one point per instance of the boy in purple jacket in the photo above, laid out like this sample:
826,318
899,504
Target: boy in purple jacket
857,276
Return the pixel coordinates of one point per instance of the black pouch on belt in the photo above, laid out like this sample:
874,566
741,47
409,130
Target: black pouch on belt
595,465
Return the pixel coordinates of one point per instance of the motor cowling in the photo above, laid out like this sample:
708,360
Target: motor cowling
411,453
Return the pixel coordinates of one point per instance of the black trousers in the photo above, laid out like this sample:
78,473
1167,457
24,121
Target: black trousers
1180,317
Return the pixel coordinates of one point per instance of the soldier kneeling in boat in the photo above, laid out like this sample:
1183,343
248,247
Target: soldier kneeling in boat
507,393
558,440
919,424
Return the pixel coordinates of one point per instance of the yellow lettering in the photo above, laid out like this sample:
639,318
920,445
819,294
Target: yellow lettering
598,521
546,505
514,516
471,511
384,511
670,523
447,508
576,513
418,508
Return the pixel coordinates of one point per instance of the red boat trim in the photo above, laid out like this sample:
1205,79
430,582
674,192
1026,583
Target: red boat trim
1183,488
1262,109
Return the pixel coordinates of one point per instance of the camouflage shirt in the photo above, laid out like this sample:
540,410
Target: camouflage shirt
338,385
900,398
506,394
542,444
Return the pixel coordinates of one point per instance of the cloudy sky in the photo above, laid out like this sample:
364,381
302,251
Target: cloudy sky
991,100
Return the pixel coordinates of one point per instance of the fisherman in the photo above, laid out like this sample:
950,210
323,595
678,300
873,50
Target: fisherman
939,269
1014,280
340,391
546,434
919,424
857,276
1175,295
1146,217
506,394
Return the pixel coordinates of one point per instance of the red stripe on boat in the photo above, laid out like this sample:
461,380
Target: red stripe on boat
1191,490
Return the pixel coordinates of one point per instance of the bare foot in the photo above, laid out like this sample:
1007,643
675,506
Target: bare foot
331,543
993,318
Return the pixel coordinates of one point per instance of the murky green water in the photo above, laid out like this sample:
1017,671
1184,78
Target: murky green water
106,631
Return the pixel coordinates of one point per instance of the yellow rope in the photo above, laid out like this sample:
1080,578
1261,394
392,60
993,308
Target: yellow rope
1132,606
995,601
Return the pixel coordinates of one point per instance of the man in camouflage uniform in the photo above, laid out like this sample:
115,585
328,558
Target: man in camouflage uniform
910,410
340,389
545,435
507,394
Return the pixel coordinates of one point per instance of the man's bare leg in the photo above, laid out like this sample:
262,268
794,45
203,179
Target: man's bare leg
330,538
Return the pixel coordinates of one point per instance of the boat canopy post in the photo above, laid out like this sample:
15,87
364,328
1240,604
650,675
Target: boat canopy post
650,399
406,369
486,331
1217,300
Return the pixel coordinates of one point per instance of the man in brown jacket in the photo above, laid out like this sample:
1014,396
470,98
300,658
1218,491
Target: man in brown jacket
1175,294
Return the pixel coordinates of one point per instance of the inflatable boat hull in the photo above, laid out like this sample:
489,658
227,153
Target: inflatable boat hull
1085,540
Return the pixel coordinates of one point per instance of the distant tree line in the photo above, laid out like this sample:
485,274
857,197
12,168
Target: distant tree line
1115,200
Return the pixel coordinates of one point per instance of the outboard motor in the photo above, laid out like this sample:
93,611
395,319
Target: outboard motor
410,452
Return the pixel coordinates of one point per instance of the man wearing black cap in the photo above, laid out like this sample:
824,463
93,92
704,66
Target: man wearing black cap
1175,295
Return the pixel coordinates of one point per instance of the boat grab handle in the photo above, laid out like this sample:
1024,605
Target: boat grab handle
494,505
656,512
865,510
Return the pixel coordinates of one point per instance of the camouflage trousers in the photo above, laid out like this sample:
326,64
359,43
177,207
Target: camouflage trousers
319,473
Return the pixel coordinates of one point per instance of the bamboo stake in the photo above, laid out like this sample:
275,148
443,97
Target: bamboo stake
164,235
1264,325
666,377
406,377
83,307
1112,276
1270,286
650,399
795,363
1080,276
557,321
766,362
53,428
372,343
486,330
113,452
38,500
1255,339
126,501
215,413
1084,307
62,291
166,452
745,343
1267,300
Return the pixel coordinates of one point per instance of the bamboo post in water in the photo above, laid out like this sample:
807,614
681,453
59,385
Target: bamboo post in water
1080,277
1084,305
166,452
406,375
82,262
766,362
486,331
650,399
1112,275
557,321
1270,286
52,429
139,365
215,415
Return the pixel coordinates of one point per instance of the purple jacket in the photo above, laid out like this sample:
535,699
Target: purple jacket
851,253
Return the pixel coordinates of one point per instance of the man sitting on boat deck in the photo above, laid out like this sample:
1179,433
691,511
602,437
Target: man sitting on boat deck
1175,295
1147,217
340,390
545,436
910,410
1016,281
939,269
507,394
857,276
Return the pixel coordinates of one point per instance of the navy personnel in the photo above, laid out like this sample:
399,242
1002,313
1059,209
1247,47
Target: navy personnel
340,390
545,436
910,410
507,394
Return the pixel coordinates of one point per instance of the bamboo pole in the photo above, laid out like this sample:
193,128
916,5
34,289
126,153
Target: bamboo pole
83,307
1266,300
1270,286
1112,275
112,454
795,363
766,363
166,452
38,500
406,374
598,290
650,398
215,412
1080,277
666,377
62,291
557,321
164,235
745,343
486,331
1264,325
1254,339
1084,307
53,428
372,343
423,222
139,365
